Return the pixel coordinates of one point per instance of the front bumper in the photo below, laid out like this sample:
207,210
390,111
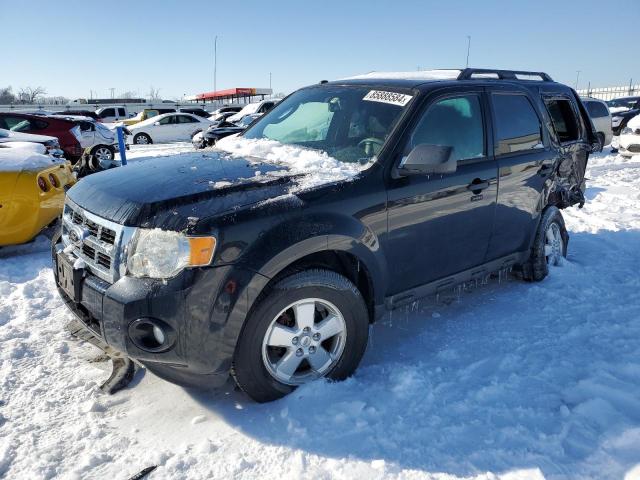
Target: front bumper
203,306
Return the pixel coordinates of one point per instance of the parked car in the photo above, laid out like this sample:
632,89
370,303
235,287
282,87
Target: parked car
51,144
64,130
96,139
258,107
169,127
622,110
200,112
32,190
227,110
141,116
78,113
220,130
601,118
629,141
269,259
113,113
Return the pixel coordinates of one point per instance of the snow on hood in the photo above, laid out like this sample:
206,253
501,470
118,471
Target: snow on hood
16,159
26,146
11,136
617,109
315,167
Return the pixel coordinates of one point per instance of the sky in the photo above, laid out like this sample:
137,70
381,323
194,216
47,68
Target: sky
71,47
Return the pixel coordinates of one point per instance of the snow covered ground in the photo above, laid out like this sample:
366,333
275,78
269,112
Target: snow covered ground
511,381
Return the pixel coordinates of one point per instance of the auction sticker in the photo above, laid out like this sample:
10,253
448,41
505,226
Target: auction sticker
388,97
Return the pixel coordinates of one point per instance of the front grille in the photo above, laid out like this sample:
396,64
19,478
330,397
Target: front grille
101,241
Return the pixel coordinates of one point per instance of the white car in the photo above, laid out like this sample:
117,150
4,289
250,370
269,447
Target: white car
51,144
258,107
601,118
168,127
629,141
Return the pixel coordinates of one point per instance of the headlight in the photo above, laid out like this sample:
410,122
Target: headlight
162,254
626,131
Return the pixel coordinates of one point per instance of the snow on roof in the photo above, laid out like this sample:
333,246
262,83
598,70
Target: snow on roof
417,75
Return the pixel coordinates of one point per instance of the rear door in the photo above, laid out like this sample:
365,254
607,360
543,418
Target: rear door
440,225
525,162
572,135
187,126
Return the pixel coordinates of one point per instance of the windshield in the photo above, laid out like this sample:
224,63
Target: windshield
349,123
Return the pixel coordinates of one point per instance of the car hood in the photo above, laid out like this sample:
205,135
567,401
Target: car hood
11,136
163,192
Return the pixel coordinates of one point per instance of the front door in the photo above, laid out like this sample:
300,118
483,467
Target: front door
439,225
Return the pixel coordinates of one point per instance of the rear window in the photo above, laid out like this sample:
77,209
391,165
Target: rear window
596,109
564,120
517,124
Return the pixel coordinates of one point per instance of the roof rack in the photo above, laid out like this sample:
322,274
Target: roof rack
470,73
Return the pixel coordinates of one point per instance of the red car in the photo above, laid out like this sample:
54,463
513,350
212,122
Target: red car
67,133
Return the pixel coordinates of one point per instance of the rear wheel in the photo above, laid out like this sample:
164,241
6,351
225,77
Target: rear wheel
549,245
310,325
142,139
103,152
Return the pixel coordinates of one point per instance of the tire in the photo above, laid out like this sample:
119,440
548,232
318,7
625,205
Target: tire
274,330
547,250
142,139
103,152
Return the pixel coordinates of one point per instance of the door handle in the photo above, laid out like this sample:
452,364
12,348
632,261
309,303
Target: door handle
478,185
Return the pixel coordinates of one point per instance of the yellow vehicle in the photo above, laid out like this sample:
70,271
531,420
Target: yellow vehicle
141,116
32,190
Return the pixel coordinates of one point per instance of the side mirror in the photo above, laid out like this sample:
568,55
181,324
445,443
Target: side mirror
426,159
156,124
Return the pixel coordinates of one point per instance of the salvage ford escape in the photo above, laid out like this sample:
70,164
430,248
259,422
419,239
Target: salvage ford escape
268,259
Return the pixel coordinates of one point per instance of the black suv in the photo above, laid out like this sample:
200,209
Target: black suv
202,265
619,120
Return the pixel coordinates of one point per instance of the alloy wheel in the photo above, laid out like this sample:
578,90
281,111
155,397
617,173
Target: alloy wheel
553,245
304,341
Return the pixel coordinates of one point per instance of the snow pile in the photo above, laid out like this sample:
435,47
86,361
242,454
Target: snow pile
511,381
634,122
24,158
317,166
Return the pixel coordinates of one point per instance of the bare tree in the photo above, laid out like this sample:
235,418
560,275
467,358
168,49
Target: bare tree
128,94
154,93
6,96
30,94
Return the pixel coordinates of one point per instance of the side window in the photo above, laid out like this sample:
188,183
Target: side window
40,125
121,112
517,126
166,120
186,119
452,122
109,112
563,119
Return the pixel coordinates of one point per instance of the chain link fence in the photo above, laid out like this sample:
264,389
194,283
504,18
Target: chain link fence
609,93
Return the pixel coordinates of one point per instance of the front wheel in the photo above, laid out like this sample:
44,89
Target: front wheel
549,245
310,325
142,139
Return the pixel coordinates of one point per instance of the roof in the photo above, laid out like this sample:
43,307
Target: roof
420,77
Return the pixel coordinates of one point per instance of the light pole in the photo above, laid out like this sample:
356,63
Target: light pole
468,49
270,81
577,78
215,63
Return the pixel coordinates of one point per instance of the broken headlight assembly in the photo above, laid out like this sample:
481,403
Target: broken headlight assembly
157,253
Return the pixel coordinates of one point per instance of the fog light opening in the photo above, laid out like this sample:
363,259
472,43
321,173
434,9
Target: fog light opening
151,335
